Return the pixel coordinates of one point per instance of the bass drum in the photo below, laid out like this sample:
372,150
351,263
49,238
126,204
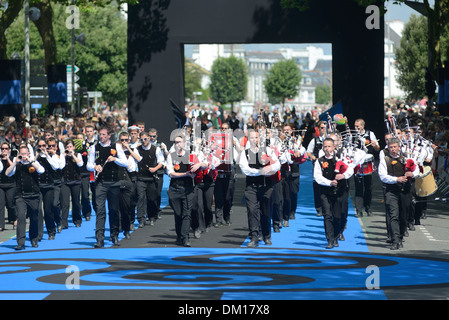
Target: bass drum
425,184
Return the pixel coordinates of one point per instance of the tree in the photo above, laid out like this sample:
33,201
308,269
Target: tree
438,21
323,95
229,80
412,57
192,79
103,59
283,80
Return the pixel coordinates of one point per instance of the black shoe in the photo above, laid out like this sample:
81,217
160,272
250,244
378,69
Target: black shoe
59,228
268,241
34,243
336,242
359,214
87,218
51,237
253,243
19,247
330,245
276,229
395,246
341,237
99,244
411,227
141,224
127,235
115,241
186,243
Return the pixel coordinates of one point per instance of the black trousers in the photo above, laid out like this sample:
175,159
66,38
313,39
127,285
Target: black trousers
70,192
160,184
258,204
317,197
57,202
363,192
46,207
334,206
127,190
7,200
293,183
202,215
398,203
147,200
224,196
86,207
181,200
109,191
277,203
27,206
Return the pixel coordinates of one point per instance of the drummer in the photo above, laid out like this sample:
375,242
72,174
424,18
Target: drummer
424,162
363,183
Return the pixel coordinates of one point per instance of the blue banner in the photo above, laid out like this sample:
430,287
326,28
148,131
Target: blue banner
10,92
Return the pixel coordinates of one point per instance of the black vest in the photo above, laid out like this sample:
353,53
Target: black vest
4,179
148,161
71,171
318,146
181,164
27,181
328,171
46,179
110,171
253,162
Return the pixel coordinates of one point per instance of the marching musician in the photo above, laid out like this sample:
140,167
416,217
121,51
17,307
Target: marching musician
46,186
180,191
204,185
334,188
54,149
295,157
7,187
313,148
26,173
104,159
363,183
86,182
127,185
225,181
150,160
398,190
152,134
71,184
277,213
258,165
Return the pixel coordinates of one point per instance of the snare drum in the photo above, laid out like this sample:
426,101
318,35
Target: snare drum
367,167
425,184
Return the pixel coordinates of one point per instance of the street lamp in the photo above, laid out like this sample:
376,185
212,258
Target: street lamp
32,14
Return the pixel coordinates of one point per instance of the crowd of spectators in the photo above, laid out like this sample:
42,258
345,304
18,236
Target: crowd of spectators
62,123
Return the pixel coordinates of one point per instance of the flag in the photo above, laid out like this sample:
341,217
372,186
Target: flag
180,116
332,111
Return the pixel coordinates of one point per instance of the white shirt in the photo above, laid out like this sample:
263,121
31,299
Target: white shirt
248,171
385,177
120,160
321,180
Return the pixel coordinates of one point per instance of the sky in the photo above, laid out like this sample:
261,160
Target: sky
395,12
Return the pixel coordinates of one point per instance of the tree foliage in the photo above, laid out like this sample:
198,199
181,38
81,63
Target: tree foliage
283,80
103,58
412,57
229,80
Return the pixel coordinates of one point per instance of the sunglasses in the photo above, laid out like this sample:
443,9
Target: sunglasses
5,148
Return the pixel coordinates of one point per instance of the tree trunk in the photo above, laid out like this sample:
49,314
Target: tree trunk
6,19
45,27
